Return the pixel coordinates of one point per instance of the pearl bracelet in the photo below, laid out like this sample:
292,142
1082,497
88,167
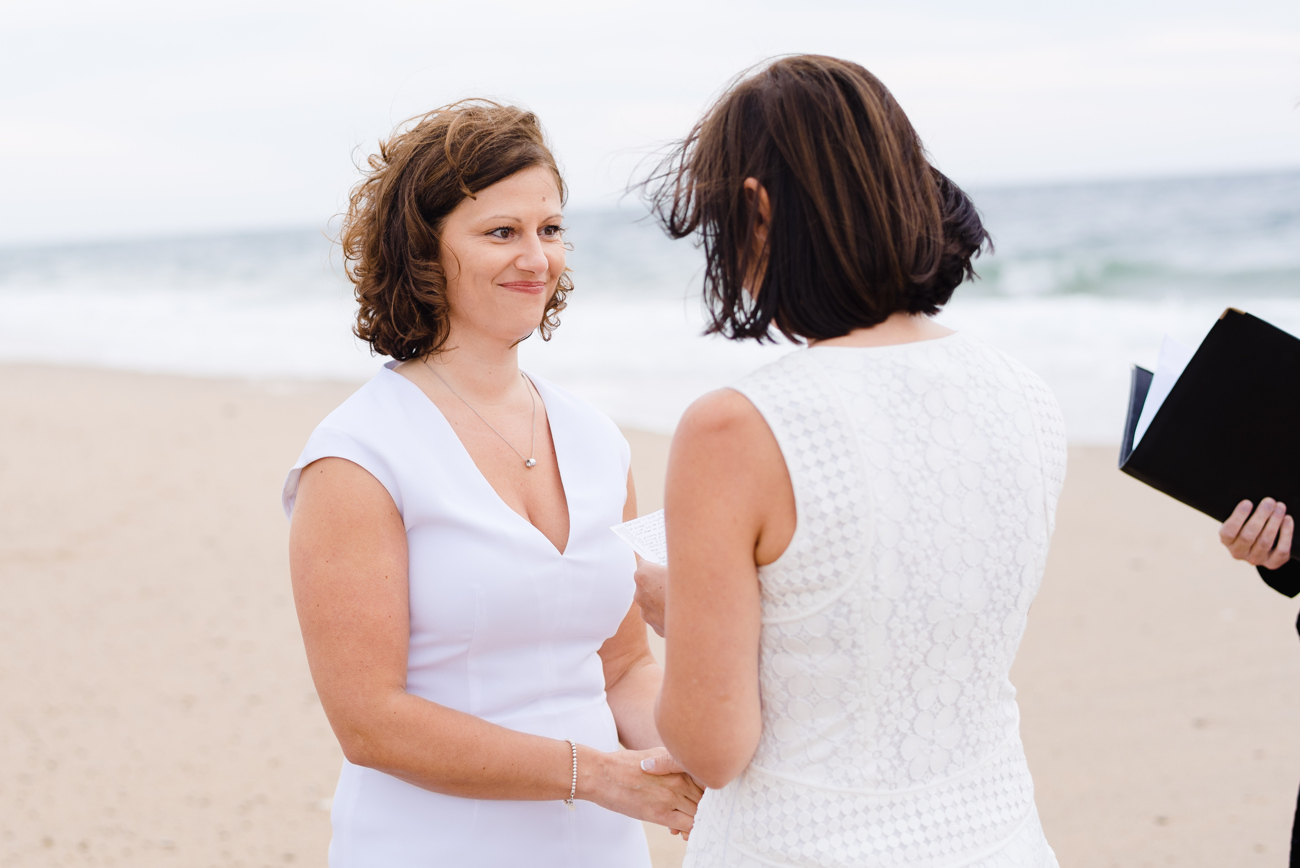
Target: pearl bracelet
573,788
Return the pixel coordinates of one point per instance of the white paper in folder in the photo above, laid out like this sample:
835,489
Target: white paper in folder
646,537
1173,358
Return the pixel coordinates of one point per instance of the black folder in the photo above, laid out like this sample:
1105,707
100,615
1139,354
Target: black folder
1230,428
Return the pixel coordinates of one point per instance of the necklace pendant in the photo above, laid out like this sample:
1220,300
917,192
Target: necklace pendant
530,462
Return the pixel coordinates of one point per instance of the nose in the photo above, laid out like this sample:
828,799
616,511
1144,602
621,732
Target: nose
532,256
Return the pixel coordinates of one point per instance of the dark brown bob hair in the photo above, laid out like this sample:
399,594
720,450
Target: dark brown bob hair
391,232
862,225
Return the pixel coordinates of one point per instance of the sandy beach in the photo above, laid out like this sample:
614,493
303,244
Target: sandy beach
156,708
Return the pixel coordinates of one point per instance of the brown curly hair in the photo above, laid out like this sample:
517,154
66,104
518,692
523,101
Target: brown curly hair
391,232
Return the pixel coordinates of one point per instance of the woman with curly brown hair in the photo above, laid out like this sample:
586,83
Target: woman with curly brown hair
467,614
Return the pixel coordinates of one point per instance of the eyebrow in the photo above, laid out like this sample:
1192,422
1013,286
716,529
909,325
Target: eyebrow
555,216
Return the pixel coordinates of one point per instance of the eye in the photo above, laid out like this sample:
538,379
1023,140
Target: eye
553,232
502,232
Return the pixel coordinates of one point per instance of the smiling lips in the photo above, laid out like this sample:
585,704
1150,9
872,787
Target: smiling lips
532,287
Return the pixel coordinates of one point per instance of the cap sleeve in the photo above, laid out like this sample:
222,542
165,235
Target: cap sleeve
329,442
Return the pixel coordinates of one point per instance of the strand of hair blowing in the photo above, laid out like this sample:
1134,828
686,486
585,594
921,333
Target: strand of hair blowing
390,236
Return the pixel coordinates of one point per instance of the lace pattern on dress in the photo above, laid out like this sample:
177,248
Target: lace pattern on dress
783,821
925,479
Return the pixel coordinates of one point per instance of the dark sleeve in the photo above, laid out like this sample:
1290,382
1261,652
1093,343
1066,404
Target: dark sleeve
1285,579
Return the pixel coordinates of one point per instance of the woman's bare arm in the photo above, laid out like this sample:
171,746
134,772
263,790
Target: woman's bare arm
348,563
729,506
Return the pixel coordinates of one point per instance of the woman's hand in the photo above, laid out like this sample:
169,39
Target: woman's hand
1262,539
618,782
664,764
650,581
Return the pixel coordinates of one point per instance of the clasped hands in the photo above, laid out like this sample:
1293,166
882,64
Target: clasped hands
663,764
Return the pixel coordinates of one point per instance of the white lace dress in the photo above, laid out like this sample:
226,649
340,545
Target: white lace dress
925,477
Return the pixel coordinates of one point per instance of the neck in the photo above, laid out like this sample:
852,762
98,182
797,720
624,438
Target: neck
485,372
899,328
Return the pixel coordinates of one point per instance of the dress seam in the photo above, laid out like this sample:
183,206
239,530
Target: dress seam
829,601
986,760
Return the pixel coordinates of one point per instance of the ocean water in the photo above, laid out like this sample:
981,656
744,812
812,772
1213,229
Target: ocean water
1085,280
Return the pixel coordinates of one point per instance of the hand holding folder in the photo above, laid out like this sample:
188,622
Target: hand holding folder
1228,428
1261,536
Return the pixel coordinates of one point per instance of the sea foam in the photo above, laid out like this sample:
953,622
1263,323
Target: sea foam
1085,281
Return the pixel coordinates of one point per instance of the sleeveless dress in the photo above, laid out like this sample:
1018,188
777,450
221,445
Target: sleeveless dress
503,626
925,478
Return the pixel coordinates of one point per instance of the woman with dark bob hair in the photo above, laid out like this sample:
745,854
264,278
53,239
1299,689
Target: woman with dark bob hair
857,530
467,613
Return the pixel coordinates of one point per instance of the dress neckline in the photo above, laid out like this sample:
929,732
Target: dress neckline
471,469
884,348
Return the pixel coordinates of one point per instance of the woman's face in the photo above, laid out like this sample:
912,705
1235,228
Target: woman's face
503,255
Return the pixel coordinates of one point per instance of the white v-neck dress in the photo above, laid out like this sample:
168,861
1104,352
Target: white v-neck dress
503,626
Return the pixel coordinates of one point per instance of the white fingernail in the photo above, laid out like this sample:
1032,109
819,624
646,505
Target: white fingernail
648,765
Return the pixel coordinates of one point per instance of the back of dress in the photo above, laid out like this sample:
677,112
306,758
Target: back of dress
925,477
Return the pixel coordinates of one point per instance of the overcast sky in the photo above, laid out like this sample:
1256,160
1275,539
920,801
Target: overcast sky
134,118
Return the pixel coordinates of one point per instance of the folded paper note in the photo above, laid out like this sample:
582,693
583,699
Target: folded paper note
646,537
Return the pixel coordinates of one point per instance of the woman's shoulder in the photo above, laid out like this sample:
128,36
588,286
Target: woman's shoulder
366,410
360,430
978,350
1016,374
1039,402
789,369
791,393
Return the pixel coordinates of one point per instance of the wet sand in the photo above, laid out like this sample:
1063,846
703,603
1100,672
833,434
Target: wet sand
156,707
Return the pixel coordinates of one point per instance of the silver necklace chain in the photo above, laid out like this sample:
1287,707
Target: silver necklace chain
531,460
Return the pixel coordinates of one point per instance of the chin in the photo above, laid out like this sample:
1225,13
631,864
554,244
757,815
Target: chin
512,323
523,324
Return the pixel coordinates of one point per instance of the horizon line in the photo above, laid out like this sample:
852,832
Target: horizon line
613,205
